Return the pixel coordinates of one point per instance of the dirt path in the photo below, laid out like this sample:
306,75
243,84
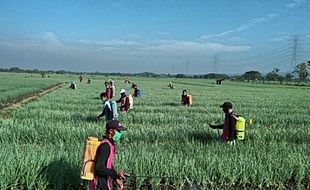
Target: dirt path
14,104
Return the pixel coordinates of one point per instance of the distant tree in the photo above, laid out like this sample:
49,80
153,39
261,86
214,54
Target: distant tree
180,76
273,75
15,69
43,74
4,70
215,76
252,75
289,77
198,76
35,71
145,74
61,72
302,70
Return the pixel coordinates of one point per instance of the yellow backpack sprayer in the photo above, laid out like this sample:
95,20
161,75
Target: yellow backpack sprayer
240,128
88,165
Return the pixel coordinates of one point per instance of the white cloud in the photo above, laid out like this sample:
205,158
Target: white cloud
242,27
281,37
120,43
197,47
291,5
218,34
116,55
171,47
49,41
51,37
294,4
253,22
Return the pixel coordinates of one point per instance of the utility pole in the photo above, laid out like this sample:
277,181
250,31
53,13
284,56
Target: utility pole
294,53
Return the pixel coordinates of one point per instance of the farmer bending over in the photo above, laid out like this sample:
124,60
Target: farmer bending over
72,86
124,100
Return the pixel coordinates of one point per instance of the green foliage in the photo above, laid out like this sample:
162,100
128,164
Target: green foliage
42,143
289,77
273,75
14,86
252,75
302,70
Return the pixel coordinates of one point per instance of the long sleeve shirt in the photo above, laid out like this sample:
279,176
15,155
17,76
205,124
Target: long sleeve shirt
101,170
229,127
107,111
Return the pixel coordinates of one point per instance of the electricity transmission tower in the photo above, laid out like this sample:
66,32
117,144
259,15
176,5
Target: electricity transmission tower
294,54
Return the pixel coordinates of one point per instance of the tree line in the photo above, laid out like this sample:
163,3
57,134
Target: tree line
300,73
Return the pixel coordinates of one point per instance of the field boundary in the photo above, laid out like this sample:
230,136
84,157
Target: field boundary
194,84
17,103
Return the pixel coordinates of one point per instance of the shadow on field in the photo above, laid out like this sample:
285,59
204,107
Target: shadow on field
89,118
194,84
61,174
301,139
171,104
202,136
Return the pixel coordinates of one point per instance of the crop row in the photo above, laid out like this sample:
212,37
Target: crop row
46,137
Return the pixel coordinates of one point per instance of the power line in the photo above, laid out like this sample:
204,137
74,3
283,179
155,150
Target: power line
265,59
267,53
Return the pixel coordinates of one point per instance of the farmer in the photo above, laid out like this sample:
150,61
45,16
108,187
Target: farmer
81,78
124,100
109,91
184,99
127,81
171,86
72,86
106,83
136,90
104,170
109,108
134,85
229,126
113,87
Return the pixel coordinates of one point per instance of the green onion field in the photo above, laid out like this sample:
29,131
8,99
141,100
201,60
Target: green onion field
42,142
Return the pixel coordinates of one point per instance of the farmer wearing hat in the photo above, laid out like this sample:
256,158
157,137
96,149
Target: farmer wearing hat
104,170
229,126
124,100
109,108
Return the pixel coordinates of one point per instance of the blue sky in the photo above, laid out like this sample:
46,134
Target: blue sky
171,36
